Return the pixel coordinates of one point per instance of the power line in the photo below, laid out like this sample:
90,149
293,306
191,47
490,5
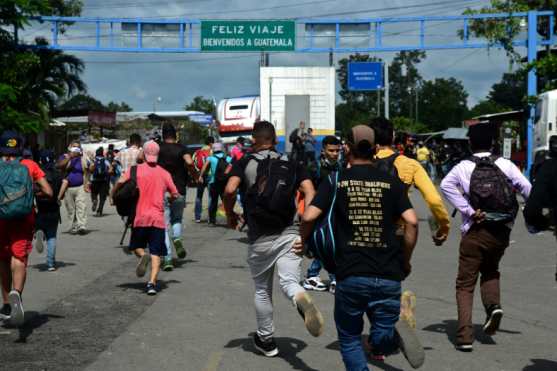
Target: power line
176,60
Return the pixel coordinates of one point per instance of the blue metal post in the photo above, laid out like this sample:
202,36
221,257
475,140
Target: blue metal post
98,34
181,35
532,82
55,33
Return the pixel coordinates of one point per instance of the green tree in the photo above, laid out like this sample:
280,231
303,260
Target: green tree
510,92
202,104
402,85
485,107
442,103
82,102
115,107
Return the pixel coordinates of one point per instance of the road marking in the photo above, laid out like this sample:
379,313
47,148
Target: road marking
214,361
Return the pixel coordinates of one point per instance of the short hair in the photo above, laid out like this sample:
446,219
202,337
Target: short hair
210,140
99,151
168,131
482,136
330,140
264,132
135,139
384,131
241,140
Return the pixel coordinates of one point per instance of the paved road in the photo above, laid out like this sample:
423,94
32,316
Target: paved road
92,313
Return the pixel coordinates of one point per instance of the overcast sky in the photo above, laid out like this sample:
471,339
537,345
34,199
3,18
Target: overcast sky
139,79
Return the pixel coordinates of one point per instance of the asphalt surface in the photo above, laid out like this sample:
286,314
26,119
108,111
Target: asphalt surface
92,313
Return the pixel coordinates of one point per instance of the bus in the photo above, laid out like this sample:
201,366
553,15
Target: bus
236,116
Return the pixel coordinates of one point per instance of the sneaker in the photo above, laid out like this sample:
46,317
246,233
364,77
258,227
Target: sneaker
51,269
374,355
464,347
94,206
333,287
198,221
493,320
5,312
268,348
408,307
309,312
39,241
167,265
180,251
82,231
409,344
151,289
314,284
17,316
142,265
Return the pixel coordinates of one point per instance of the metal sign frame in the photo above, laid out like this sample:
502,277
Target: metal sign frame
376,40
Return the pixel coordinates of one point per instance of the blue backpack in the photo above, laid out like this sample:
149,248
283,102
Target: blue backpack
321,243
16,190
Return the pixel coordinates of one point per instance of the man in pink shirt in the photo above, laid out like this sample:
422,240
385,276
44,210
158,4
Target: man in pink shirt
486,227
149,225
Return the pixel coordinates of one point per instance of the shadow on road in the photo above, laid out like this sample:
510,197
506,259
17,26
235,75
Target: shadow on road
449,328
288,350
379,364
180,263
541,365
140,286
59,265
33,320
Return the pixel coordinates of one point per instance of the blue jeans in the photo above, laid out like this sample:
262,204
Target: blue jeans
199,200
379,299
173,214
49,226
315,268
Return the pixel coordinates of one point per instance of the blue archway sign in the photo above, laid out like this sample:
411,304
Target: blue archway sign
365,76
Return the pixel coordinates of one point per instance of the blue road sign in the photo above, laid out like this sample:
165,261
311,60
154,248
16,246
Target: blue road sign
365,76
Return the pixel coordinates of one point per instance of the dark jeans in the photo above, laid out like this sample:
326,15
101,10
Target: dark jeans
315,268
199,200
99,191
481,250
48,223
379,299
216,191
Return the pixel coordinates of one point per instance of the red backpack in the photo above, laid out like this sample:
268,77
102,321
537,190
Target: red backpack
200,157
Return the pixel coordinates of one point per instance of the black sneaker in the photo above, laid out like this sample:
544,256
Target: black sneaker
493,320
409,344
268,348
151,289
5,312
464,347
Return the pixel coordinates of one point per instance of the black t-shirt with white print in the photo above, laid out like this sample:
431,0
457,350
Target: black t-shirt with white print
367,206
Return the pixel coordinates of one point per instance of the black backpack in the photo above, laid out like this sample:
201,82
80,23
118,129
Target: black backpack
271,199
101,170
387,164
54,179
220,173
491,191
126,196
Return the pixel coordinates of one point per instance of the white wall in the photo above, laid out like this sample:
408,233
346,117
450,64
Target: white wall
317,82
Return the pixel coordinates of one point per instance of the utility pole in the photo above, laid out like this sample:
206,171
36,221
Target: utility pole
416,91
386,80
331,61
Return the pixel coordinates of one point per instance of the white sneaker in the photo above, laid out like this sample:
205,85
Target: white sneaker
39,241
314,284
333,287
17,317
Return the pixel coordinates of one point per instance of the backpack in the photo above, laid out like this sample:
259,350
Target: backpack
271,198
199,158
16,190
54,178
220,173
321,243
101,170
126,196
387,164
491,191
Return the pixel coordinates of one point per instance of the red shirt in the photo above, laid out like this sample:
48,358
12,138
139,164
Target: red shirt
153,182
34,169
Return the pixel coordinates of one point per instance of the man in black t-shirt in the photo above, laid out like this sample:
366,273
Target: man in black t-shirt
271,242
370,261
174,159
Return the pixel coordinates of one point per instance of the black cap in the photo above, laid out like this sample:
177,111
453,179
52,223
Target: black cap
11,143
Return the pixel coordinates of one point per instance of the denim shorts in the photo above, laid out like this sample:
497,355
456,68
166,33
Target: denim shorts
143,237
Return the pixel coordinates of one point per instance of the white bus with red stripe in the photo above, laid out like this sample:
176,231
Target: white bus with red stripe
236,116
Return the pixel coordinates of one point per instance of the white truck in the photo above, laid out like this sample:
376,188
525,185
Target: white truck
236,117
545,121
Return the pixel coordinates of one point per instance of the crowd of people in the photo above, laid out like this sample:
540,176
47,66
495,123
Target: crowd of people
356,190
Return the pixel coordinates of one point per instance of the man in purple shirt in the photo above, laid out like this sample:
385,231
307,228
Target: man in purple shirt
483,240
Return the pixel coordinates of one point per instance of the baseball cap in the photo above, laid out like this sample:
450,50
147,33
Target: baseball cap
362,137
218,147
151,151
11,143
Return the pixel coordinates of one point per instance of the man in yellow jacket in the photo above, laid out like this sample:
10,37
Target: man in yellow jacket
412,173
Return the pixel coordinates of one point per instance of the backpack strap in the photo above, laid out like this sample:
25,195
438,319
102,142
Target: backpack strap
133,173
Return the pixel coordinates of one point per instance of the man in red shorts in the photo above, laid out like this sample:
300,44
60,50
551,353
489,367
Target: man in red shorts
16,235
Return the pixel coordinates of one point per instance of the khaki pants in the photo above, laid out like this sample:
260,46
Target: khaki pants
76,207
481,250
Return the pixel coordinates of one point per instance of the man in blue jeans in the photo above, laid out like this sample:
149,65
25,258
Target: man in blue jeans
371,263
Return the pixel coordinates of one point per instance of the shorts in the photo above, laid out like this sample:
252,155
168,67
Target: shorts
16,238
143,237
